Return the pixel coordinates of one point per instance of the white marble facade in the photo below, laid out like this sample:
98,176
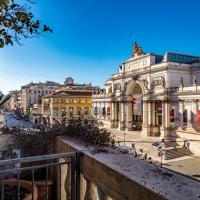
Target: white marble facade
158,95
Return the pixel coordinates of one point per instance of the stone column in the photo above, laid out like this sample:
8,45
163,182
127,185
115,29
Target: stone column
167,113
149,113
181,109
153,113
106,197
194,110
91,191
68,183
82,187
189,125
129,115
145,113
62,174
165,119
112,123
122,116
116,116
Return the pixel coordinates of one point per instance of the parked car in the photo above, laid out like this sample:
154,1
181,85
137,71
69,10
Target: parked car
156,144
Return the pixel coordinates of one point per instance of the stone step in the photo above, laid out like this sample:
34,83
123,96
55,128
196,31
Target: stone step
172,154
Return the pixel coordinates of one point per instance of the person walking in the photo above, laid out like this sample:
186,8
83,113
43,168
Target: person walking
174,147
184,144
188,145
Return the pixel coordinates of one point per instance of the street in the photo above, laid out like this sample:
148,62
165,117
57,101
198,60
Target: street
11,121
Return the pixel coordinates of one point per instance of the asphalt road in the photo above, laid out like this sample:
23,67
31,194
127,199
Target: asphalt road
11,121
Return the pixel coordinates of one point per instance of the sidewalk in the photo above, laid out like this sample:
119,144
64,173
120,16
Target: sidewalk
180,161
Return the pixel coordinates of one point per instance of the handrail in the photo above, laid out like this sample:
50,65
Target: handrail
37,158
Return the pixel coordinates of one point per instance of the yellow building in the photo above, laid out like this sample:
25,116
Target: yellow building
65,103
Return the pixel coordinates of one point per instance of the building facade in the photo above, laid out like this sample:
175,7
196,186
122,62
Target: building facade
159,95
65,103
31,94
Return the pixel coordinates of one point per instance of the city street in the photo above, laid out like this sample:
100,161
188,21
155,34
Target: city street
11,121
182,163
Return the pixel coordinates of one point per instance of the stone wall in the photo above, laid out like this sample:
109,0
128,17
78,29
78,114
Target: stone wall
123,177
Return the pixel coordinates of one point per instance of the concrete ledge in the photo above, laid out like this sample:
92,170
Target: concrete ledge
124,177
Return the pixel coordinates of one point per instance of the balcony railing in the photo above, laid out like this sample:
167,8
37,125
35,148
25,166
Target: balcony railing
12,171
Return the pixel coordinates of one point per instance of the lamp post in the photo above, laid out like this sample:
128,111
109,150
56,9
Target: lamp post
161,152
124,137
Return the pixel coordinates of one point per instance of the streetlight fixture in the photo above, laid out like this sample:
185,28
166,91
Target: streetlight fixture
160,153
124,134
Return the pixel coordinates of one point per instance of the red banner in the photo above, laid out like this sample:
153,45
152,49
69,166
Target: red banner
198,118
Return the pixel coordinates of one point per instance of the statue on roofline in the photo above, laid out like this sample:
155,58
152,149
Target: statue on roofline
137,50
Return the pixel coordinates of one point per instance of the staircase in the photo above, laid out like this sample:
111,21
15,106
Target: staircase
180,152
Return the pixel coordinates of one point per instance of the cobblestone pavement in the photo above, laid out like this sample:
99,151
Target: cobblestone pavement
186,164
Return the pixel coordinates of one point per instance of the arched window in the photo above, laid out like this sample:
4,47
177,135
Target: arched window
86,110
78,110
71,111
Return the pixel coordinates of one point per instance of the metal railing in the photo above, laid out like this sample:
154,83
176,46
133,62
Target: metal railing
13,168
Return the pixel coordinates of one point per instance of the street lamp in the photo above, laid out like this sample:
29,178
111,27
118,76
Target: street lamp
124,134
160,153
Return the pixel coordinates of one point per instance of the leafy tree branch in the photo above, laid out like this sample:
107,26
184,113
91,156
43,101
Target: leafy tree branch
17,23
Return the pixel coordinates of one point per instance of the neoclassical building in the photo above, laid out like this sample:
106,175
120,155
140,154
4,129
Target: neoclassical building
158,95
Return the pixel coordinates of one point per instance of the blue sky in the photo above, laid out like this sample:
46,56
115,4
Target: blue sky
92,37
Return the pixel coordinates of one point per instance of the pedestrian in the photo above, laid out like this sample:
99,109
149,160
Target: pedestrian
150,160
133,146
184,144
135,154
188,145
174,147
145,156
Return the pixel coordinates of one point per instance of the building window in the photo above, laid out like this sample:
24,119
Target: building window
56,112
104,111
71,111
95,110
172,115
79,100
71,100
63,112
62,100
86,110
108,110
78,111
185,117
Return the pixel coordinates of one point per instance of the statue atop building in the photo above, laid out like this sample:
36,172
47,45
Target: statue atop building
137,50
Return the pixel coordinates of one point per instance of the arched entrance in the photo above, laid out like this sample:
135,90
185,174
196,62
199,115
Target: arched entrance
135,107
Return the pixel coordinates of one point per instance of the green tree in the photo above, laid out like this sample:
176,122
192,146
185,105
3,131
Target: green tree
4,100
17,22
39,99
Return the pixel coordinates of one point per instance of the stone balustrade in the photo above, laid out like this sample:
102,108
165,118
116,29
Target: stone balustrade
115,176
104,95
